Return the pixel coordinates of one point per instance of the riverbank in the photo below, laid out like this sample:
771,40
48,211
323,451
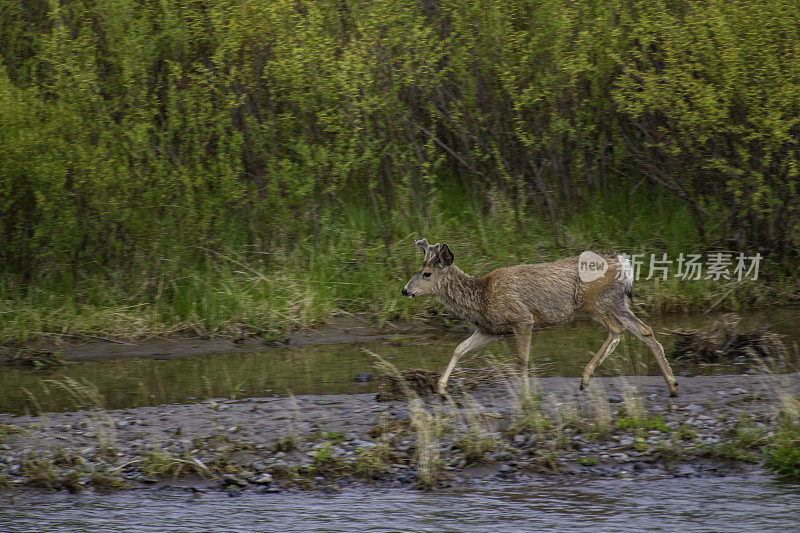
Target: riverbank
341,330
346,329
620,427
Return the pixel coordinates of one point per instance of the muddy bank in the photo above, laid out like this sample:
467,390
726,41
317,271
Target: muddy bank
328,442
349,330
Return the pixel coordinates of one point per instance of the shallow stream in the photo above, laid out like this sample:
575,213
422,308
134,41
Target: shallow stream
331,369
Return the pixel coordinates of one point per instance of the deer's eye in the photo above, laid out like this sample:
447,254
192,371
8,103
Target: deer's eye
426,274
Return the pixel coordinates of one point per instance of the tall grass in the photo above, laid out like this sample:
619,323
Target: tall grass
783,455
429,424
348,268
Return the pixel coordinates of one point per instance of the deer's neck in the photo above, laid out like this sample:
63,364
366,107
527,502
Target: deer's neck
462,294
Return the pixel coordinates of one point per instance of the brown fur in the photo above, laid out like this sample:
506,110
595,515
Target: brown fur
518,298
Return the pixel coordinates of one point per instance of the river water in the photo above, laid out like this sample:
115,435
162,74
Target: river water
734,503
330,369
731,503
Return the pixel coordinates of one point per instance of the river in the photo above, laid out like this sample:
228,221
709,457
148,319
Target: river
733,503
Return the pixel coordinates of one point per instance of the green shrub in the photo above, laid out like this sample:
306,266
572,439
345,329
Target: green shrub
783,456
191,166
643,423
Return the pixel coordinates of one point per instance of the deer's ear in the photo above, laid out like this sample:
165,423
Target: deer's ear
446,256
423,245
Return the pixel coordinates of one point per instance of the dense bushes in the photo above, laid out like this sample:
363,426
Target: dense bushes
142,136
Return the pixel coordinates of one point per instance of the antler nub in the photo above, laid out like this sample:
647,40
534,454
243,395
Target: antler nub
433,250
430,250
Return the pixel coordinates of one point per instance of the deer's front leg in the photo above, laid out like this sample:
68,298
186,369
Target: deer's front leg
523,334
477,340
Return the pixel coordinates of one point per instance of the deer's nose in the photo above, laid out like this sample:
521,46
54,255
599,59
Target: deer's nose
404,292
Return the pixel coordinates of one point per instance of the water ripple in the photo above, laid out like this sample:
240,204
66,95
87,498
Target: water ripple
752,503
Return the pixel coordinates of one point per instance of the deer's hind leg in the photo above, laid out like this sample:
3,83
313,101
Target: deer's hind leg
645,334
615,329
477,340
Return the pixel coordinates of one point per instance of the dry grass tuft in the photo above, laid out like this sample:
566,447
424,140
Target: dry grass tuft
87,396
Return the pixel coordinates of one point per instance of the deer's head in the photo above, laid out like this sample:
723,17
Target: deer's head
436,262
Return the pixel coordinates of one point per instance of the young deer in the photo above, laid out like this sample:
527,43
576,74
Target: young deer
518,298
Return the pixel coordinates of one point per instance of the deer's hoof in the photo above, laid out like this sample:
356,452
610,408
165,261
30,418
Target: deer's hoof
673,389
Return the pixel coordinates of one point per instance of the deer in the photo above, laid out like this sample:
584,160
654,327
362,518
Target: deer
518,299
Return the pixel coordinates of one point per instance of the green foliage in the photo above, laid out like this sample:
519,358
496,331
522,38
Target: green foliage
162,464
528,415
40,472
783,456
8,429
731,451
372,462
334,437
323,454
327,465
476,445
655,423
213,166
748,435
686,432
158,464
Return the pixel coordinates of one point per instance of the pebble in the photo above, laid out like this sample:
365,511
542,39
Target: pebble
263,479
685,471
615,450
694,409
230,479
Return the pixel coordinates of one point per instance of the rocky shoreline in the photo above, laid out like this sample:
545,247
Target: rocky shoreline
620,427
